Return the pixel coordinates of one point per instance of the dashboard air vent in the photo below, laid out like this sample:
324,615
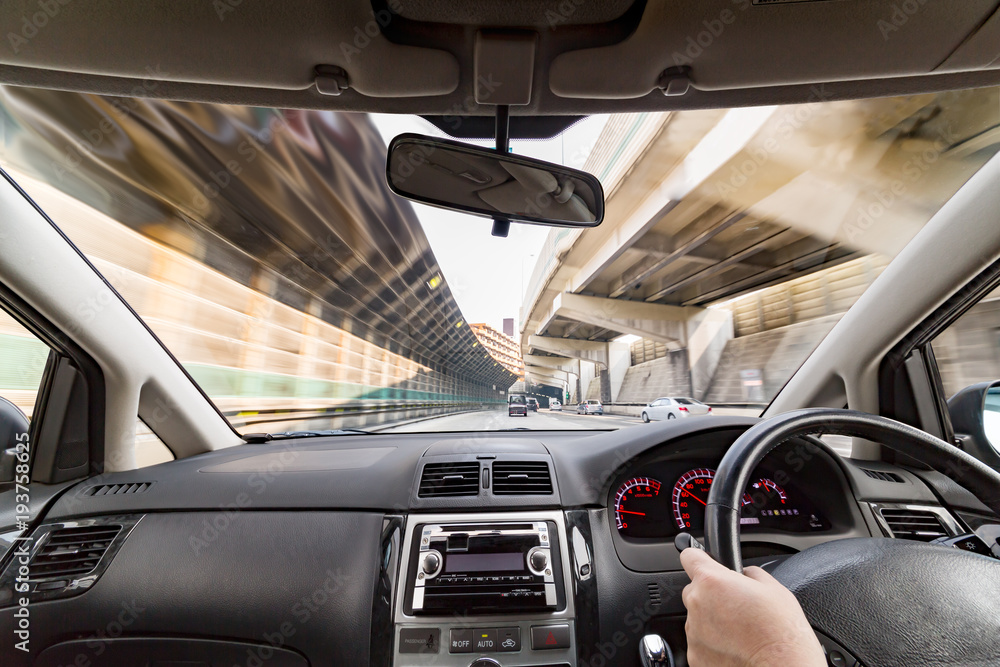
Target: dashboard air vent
521,478
117,489
883,476
449,479
913,524
70,552
654,594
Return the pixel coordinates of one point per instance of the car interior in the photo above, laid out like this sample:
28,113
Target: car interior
512,546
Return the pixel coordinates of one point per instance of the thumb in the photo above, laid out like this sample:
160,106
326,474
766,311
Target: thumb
697,563
757,574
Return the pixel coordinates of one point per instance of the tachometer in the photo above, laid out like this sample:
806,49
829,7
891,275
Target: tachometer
690,497
635,502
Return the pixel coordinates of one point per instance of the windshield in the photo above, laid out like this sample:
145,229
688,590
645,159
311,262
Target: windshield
263,247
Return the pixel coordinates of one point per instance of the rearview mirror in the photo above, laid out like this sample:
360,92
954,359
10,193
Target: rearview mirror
485,182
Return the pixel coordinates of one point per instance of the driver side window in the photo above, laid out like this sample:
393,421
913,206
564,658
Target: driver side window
968,353
22,364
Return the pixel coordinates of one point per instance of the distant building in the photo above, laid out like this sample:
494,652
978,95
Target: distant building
503,347
508,326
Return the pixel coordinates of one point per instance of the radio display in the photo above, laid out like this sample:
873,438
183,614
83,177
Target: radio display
512,561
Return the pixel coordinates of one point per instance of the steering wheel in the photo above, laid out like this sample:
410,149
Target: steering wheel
887,601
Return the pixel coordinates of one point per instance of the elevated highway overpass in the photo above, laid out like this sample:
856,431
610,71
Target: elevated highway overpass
706,209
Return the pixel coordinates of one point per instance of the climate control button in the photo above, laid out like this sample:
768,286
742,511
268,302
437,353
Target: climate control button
484,640
461,641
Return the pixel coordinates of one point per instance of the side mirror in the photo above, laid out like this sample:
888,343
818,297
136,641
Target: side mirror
975,416
13,432
488,183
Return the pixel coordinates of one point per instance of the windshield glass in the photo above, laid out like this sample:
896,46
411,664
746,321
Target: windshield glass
263,247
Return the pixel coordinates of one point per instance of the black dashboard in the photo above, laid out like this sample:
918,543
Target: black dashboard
309,551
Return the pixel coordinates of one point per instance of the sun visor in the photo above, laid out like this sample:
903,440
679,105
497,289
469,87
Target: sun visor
226,42
732,44
980,51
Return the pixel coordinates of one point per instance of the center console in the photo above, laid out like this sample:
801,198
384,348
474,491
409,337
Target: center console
484,589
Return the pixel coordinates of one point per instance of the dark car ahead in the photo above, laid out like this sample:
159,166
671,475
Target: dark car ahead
533,404
517,405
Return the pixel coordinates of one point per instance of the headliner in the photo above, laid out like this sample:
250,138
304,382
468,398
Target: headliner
572,57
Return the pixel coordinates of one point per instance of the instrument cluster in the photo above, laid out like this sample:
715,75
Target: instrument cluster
671,497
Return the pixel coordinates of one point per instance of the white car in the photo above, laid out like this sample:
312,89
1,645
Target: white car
673,408
555,406
590,407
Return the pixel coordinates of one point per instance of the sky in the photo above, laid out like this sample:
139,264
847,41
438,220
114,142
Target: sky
488,275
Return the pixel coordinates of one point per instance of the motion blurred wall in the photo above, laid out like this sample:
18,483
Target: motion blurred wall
290,284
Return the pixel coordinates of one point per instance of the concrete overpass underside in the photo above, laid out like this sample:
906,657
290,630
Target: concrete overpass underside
704,207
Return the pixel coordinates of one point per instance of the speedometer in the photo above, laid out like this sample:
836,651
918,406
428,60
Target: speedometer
690,497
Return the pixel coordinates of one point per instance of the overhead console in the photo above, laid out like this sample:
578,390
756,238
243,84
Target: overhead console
485,590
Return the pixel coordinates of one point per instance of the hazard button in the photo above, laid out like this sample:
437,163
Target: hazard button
549,636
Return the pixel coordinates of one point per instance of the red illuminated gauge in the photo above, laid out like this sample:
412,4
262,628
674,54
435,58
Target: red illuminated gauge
690,497
765,492
635,503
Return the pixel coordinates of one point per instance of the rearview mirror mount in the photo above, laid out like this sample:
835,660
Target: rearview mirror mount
492,184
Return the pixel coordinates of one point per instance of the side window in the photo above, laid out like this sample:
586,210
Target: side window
968,351
22,364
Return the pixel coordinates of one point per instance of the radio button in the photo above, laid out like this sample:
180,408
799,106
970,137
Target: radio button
484,640
508,640
461,641
431,563
539,560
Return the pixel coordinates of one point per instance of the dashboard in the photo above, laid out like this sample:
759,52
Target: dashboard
300,536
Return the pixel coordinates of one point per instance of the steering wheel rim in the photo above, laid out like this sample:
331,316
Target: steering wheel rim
722,514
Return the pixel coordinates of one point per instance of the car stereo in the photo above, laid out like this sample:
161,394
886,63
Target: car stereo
484,568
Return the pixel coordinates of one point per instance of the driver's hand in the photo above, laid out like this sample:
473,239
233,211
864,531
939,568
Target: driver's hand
743,620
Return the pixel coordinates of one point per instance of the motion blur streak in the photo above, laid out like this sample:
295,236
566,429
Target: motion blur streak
262,246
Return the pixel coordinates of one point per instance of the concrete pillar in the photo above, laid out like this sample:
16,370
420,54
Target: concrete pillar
588,371
619,360
707,335
577,392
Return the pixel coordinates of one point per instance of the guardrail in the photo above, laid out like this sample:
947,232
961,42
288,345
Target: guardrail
350,415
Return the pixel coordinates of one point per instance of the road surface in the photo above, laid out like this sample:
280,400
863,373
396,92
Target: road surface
496,420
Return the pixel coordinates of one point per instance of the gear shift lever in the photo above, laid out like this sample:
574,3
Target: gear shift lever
655,652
